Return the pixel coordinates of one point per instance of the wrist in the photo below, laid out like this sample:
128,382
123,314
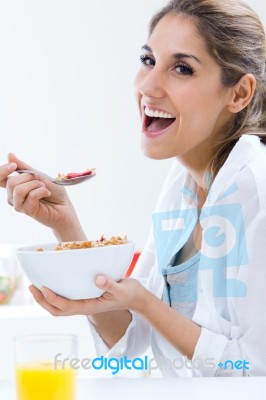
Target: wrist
69,232
71,235
143,300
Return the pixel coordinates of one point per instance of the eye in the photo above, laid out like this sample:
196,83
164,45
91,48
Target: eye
183,69
147,60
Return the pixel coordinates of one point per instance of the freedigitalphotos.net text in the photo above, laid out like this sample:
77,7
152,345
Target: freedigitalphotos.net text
145,363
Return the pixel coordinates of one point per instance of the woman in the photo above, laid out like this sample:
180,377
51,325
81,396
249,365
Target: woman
198,288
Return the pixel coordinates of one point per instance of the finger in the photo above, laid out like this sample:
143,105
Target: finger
16,180
107,284
30,191
14,185
70,307
5,170
31,204
39,297
13,182
53,187
54,299
20,164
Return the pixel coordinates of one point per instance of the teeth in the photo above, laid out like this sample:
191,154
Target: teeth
160,114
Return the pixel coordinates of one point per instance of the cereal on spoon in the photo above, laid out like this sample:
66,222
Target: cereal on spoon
72,175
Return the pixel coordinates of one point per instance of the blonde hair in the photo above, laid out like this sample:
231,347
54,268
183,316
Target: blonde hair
235,37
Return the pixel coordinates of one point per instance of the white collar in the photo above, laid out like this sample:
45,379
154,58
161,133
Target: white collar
246,148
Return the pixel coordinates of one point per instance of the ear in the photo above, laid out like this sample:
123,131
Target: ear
242,93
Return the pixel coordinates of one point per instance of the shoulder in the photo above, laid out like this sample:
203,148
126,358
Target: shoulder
242,177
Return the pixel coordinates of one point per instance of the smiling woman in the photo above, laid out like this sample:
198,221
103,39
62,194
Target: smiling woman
224,45
197,292
180,78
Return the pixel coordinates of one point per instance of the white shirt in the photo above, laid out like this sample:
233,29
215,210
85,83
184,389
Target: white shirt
231,302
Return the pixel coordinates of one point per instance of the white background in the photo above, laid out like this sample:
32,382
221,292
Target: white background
67,103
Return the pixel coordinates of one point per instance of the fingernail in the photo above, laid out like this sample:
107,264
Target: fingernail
30,288
11,166
100,280
43,290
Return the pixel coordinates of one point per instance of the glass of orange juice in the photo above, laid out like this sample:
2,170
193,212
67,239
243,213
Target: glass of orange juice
44,367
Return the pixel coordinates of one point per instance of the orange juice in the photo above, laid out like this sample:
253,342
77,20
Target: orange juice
43,382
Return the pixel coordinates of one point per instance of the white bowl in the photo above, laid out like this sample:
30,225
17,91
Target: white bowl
72,273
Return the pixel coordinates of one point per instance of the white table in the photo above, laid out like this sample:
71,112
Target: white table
158,389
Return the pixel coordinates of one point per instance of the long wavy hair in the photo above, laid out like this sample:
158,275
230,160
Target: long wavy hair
235,37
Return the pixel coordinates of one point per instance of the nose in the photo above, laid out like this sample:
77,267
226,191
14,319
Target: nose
152,84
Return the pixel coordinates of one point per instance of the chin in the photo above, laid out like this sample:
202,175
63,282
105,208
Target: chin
154,154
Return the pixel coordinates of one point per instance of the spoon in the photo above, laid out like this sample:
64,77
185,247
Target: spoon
74,178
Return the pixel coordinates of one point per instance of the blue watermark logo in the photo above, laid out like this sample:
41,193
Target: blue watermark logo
223,241
117,365
238,364
113,364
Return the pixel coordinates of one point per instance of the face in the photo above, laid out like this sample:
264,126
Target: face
182,103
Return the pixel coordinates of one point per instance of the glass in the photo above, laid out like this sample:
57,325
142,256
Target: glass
43,367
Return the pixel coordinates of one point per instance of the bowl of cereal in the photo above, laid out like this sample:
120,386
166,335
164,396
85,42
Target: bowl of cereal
70,268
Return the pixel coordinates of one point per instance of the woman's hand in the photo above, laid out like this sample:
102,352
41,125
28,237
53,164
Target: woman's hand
128,294
44,201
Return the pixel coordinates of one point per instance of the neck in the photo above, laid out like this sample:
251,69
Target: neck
196,163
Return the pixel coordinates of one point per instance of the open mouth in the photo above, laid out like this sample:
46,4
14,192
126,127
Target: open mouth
156,121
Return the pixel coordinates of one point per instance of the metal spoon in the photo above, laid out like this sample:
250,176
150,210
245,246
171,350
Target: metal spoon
64,182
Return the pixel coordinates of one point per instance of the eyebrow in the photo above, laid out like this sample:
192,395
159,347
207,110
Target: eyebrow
176,56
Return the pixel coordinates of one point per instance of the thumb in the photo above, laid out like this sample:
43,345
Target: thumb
20,164
106,283
57,190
